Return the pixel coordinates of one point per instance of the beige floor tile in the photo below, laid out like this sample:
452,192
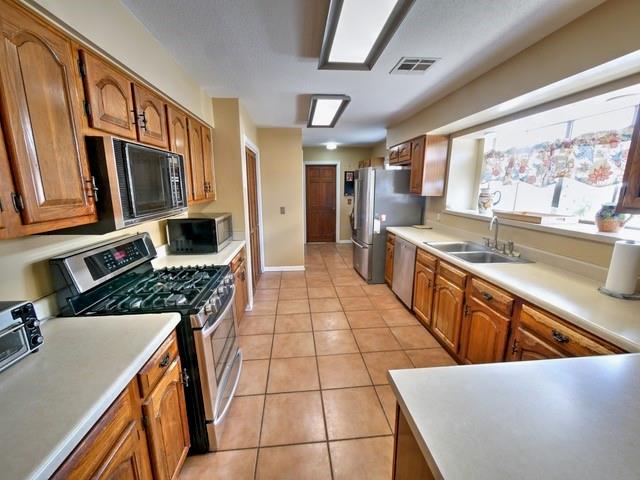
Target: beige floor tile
287,345
329,321
375,290
430,357
292,418
253,379
293,283
262,307
347,280
266,295
398,317
365,319
356,303
289,307
232,464
322,292
414,337
385,302
293,293
325,305
350,291
255,347
267,283
292,275
271,275
388,400
319,282
379,363
294,462
299,322
338,371
242,426
293,375
367,458
257,325
376,339
354,413
334,342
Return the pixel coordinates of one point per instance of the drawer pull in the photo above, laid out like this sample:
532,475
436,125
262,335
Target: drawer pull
559,337
165,360
487,296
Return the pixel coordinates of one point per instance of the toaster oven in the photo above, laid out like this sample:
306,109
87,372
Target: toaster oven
19,332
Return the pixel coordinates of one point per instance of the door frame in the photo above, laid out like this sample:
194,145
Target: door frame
338,189
247,143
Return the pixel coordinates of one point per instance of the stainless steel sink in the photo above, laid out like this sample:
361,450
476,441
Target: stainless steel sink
450,247
487,257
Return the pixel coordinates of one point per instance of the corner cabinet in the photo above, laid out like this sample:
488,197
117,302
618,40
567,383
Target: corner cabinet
629,201
41,116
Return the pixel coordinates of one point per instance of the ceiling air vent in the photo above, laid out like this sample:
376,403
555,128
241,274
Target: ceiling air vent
412,65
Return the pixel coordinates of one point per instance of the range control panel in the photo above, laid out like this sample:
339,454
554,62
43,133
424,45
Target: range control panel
113,259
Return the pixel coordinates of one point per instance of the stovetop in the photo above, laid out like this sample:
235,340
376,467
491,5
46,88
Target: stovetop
167,289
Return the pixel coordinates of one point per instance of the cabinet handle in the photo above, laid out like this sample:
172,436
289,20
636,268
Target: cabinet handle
559,337
165,361
140,117
185,378
514,348
487,296
93,189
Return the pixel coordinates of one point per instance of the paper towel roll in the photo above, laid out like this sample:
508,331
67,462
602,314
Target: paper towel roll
624,268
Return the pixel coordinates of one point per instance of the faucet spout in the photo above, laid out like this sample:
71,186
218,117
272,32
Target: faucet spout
496,223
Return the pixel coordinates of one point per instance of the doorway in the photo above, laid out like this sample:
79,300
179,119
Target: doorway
320,187
254,219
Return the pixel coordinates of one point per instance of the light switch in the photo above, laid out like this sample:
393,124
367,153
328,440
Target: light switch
281,210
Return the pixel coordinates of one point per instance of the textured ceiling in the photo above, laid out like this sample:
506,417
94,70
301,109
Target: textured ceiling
266,52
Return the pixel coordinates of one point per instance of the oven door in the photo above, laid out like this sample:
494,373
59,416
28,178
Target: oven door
219,365
14,345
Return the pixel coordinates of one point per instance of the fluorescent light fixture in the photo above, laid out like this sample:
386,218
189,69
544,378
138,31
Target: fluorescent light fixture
325,110
357,31
332,146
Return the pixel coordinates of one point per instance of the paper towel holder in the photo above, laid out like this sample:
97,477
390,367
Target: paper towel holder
622,296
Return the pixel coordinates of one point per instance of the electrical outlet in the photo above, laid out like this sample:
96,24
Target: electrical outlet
281,210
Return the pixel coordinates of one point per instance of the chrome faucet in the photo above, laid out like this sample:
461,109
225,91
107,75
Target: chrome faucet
494,221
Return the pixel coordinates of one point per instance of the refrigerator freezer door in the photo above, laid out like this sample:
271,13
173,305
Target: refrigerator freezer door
362,255
364,190
404,258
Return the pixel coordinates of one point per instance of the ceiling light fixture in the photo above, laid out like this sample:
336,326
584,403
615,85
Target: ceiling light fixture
332,146
325,110
357,31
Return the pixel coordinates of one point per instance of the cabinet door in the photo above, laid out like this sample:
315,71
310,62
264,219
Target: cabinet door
151,119
423,287
129,459
197,161
393,155
179,140
108,92
388,264
167,428
630,193
42,118
485,334
525,345
6,188
417,165
207,163
241,290
448,303
404,153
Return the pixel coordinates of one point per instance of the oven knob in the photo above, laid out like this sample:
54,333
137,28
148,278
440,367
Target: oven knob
33,323
208,309
228,280
37,340
222,290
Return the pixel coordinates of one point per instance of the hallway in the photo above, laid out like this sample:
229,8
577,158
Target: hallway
313,400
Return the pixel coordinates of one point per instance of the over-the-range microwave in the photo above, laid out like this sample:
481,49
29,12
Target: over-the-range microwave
135,183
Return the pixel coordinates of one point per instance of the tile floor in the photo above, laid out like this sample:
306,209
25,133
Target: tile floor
313,400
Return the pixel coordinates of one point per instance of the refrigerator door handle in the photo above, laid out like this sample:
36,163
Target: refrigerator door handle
355,205
361,245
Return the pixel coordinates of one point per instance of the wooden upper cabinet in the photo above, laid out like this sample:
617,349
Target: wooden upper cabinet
428,165
485,334
151,118
179,140
629,200
207,159
42,118
7,211
109,96
393,155
198,192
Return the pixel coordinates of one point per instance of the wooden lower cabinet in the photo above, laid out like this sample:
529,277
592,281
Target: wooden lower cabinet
408,459
239,269
423,289
448,305
484,334
388,259
527,346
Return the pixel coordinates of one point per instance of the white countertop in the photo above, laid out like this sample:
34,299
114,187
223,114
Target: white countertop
51,399
223,257
574,418
572,297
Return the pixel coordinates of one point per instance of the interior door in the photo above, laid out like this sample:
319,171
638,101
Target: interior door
254,220
321,203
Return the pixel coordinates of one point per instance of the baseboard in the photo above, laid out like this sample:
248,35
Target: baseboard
345,241
286,268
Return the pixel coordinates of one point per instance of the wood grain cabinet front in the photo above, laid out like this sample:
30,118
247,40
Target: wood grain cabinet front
179,141
428,165
423,289
484,333
42,120
151,117
196,154
239,269
207,159
448,305
388,259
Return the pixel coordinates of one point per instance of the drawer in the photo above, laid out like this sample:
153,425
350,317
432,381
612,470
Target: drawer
426,259
237,260
455,276
565,337
492,296
157,365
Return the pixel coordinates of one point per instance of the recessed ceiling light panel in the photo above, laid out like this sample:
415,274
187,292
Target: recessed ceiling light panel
357,31
325,110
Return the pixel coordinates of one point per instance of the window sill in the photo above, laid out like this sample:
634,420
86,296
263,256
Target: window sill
584,231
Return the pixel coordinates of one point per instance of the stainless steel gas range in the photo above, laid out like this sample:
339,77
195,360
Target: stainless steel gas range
117,278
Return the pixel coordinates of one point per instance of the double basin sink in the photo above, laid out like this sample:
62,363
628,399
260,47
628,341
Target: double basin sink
474,252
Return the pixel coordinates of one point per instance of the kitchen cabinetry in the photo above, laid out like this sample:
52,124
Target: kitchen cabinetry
629,200
424,286
151,117
179,140
200,150
400,154
41,117
448,304
428,165
207,158
109,97
239,269
371,162
485,333
388,259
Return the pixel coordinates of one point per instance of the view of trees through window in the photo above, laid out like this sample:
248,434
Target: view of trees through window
570,168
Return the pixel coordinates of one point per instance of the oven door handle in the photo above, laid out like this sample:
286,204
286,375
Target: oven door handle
209,330
236,381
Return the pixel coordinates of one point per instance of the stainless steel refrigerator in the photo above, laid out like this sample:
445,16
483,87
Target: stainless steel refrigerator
382,200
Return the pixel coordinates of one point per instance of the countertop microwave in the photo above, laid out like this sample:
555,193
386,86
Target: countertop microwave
203,233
